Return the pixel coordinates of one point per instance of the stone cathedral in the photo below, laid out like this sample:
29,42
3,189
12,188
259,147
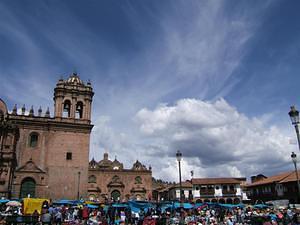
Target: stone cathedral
48,156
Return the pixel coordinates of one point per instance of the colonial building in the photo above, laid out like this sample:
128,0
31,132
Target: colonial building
279,186
222,190
110,181
186,191
52,152
219,190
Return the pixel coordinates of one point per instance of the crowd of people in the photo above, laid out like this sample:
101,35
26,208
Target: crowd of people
108,215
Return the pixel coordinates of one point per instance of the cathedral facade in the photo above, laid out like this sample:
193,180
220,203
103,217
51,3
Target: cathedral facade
48,156
110,181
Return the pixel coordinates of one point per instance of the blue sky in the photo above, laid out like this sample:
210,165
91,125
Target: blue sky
212,78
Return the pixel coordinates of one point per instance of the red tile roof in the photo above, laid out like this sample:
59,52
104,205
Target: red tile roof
278,178
184,184
220,180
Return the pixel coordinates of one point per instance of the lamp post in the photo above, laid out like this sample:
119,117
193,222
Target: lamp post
179,157
294,115
78,188
294,159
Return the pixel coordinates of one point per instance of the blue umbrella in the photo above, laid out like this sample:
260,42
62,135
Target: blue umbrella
3,201
261,206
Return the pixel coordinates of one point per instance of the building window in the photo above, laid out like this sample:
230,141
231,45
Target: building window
33,140
217,187
79,110
67,109
69,156
210,187
92,179
138,180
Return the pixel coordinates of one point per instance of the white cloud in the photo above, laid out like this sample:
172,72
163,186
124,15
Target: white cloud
215,139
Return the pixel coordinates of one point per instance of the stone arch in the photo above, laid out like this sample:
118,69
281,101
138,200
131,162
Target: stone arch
214,200
222,200
28,186
79,110
198,201
229,201
139,197
66,108
206,200
92,197
115,195
236,201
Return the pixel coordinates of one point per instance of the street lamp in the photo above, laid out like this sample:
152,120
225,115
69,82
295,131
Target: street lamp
179,157
294,159
78,188
294,115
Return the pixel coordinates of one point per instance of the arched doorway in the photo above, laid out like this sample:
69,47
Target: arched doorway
236,201
214,200
198,201
206,200
222,201
138,197
27,188
115,195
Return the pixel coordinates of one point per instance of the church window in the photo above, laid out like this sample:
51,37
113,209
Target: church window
92,179
67,109
138,180
33,140
79,110
69,156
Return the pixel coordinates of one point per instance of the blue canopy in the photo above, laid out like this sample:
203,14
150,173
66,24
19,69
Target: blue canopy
92,206
67,202
184,205
164,206
120,205
136,206
3,201
230,206
261,206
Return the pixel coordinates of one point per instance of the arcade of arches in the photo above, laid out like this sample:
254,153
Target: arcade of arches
221,200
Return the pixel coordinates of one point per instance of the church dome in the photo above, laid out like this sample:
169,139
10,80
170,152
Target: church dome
75,80
138,166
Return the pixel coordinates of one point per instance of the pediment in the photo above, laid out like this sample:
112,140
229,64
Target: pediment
31,167
115,184
138,189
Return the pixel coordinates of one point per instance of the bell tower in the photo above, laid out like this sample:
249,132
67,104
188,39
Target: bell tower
73,99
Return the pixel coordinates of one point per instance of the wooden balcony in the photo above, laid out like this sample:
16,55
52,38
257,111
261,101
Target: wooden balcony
228,192
207,193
